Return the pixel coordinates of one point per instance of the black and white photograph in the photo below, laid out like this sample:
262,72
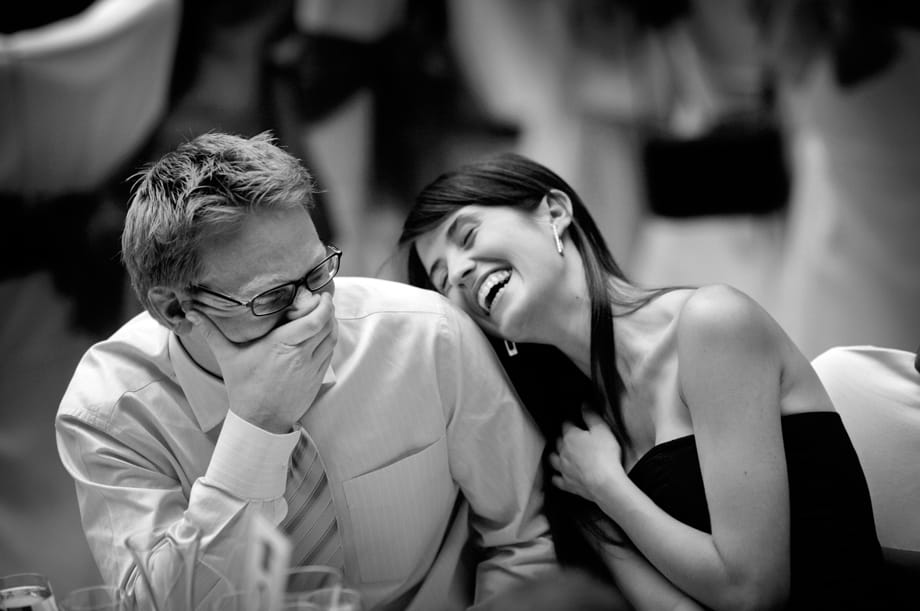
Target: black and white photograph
445,305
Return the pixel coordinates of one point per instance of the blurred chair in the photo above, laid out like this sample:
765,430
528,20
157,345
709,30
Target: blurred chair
80,101
82,95
877,393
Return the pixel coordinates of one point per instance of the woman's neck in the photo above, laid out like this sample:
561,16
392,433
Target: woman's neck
566,320
635,332
640,336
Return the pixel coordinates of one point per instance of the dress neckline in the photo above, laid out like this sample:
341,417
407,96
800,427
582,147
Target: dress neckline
658,448
680,442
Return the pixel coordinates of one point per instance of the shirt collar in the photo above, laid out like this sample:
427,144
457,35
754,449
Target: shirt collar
206,392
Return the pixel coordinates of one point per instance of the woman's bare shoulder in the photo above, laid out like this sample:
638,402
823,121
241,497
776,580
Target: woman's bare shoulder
721,312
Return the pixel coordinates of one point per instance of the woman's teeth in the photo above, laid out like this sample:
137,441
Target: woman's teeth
491,287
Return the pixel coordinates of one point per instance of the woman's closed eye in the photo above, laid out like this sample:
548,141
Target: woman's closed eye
439,275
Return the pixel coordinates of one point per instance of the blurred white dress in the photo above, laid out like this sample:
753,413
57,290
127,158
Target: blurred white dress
852,271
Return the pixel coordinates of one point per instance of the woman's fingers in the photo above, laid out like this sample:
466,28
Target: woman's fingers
592,419
559,482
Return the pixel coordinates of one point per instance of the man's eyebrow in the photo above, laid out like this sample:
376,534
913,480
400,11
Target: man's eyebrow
279,280
273,281
225,306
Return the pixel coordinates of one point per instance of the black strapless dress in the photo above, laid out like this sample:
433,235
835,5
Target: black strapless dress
836,557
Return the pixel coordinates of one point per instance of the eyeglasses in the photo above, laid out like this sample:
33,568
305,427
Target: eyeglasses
280,297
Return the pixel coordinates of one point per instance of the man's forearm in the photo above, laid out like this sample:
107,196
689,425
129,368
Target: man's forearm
121,496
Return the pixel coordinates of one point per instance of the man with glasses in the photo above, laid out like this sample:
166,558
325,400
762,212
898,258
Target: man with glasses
367,419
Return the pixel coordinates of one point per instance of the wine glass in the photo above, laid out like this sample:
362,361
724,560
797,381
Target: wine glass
26,592
241,600
166,567
95,598
335,598
302,580
299,605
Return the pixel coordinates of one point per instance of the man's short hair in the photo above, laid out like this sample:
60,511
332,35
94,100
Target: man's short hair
205,187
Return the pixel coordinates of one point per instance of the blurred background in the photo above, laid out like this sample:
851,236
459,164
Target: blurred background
771,145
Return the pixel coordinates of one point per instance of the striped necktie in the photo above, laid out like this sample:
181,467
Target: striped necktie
310,523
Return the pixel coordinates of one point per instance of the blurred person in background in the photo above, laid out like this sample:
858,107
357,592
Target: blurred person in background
555,70
343,53
378,104
777,141
848,75
191,412
687,420
660,113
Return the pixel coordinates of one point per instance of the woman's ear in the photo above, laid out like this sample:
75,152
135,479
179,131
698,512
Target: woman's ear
559,207
167,306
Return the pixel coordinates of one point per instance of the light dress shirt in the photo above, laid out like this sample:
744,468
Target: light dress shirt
426,448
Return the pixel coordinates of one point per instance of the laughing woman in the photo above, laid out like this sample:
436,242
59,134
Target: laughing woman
699,460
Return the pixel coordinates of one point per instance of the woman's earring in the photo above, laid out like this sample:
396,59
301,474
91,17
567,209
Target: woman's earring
511,347
559,246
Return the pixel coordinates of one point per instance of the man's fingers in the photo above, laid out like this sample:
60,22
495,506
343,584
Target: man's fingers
315,324
304,303
325,347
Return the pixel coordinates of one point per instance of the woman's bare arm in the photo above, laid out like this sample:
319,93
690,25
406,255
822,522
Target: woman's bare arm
730,379
641,583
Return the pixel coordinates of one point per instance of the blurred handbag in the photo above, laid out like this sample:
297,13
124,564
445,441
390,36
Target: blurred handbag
738,166
714,143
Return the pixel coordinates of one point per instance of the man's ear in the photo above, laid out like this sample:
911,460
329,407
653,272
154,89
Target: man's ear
559,207
167,305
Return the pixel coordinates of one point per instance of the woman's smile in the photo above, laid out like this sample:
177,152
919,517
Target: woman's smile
491,288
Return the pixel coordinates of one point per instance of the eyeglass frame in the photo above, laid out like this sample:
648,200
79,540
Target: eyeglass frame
336,254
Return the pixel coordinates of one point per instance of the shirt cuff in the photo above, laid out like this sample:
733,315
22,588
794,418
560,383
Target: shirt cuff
249,462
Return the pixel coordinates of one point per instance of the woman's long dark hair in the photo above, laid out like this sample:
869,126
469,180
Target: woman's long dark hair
549,384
